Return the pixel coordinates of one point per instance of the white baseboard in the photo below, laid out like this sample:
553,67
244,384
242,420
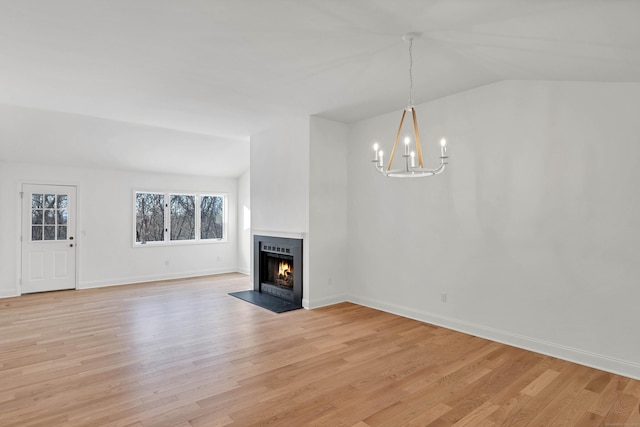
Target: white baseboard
598,361
245,271
151,278
8,294
322,302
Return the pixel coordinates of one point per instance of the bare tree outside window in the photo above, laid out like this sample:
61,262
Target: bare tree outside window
211,217
183,217
160,218
149,217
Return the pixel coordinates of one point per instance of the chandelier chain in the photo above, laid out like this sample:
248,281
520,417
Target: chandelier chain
411,72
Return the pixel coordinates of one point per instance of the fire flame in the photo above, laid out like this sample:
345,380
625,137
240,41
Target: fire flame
284,268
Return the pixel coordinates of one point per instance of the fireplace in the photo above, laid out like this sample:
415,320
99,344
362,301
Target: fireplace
278,268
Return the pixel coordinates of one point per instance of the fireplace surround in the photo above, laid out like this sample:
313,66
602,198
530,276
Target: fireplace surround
277,271
277,274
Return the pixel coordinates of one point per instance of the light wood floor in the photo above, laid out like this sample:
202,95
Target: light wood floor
184,353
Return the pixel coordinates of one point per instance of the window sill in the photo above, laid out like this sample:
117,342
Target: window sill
179,243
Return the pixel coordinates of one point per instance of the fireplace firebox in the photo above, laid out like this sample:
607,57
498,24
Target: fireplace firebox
278,268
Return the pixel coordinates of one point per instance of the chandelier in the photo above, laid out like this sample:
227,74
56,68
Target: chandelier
409,169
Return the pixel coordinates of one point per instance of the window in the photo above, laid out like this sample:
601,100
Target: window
211,213
149,217
170,217
183,217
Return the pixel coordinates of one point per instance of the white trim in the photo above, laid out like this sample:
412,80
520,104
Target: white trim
282,234
163,244
598,361
245,271
5,294
323,302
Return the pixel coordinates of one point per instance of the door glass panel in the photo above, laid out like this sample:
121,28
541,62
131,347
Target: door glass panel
49,232
49,201
62,232
36,201
62,201
36,216
62,216
36,233
49,216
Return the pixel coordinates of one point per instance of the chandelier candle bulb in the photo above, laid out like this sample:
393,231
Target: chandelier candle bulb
375,151
413,159
407,141
380,158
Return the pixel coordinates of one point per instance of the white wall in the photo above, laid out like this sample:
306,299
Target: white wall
327,212
105,226
244,223
298,187
280,185
280,177
533,230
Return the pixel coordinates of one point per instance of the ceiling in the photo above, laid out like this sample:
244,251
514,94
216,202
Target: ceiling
227,69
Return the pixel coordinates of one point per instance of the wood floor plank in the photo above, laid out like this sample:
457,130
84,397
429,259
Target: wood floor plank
537,385
183,353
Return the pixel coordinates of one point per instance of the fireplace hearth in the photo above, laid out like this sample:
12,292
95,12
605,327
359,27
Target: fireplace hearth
277,274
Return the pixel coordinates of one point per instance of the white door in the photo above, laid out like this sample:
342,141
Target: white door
48,238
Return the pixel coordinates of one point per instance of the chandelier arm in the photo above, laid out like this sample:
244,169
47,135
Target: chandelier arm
395,144
414,173
400,173
417,134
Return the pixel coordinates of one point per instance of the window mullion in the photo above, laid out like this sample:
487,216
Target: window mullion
197,213
167,218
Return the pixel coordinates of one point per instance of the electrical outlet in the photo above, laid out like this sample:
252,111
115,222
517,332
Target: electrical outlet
443,297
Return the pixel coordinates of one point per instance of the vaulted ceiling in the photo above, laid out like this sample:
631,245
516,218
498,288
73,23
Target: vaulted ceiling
229,68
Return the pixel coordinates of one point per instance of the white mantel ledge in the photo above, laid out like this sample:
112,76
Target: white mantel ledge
283,234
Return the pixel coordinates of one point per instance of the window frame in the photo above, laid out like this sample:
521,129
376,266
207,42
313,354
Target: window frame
167,218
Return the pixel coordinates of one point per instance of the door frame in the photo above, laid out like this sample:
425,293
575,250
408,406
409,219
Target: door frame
19,224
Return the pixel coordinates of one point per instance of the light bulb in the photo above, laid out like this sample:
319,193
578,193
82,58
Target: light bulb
407,140
443,142
375,147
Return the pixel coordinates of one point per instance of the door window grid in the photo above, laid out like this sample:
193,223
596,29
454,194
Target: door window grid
49,217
